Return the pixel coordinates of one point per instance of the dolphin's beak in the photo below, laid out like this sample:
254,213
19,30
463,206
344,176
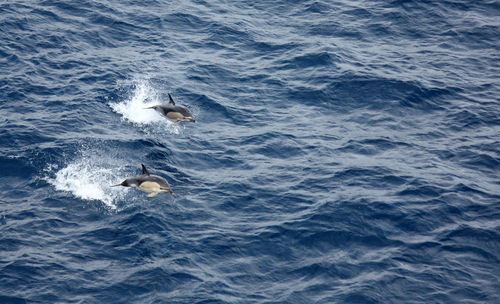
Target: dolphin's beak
116,185
149,107
191,119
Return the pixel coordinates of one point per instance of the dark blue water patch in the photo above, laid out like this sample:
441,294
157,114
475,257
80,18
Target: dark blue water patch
470,253
12,300
212,73
8,60
317,7
274,48
43,16
69,8
470,36
317,183
488,239
12,244
422,190
197,160
309,60
15,167
465,119
369,177
377,94
279,148
246,201
470,118
227,35
136,285
428,99
326,240
434,15
484,161
335,29
186,22
358,297
372,146
311,240
472,190
482,157
52,226
422,221
30,273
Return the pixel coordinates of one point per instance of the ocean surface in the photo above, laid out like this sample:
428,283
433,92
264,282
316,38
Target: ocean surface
344,151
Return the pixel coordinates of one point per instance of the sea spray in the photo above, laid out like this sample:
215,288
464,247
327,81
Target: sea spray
89,177
134,109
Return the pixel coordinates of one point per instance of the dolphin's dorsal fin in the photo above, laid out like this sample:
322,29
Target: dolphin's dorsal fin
144,170
170,100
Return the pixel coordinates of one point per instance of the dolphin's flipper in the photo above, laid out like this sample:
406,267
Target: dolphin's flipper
153,194
170,99
144,170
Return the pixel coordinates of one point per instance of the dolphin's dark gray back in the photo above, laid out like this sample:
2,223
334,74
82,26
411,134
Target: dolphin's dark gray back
154,178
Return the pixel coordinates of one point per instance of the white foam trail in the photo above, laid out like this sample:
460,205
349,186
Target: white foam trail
89,181
133,109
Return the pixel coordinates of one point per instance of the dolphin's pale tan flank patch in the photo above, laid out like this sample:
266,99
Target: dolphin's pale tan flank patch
175,116
150,186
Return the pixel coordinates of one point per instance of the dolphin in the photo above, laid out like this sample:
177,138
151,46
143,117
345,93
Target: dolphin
149,183
174,112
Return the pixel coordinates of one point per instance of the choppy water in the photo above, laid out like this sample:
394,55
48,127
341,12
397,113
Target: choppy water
344,152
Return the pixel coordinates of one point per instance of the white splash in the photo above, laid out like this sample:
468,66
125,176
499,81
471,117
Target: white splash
134,108
88,180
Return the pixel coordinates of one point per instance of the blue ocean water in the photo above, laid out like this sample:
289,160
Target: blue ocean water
344,151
